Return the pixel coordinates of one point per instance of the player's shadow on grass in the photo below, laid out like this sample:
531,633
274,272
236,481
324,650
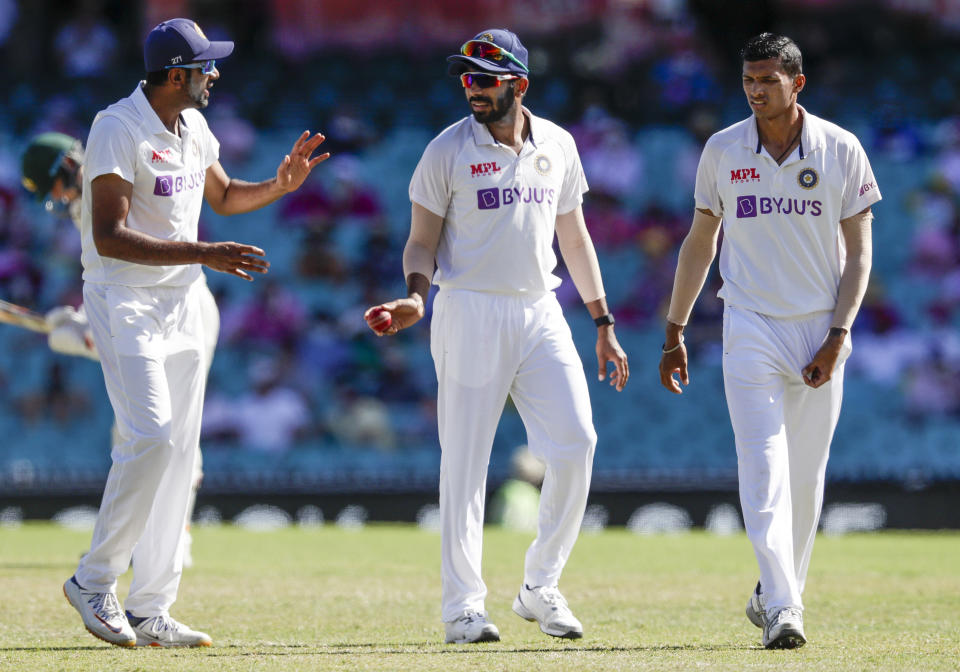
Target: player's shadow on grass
35,566
431,648
43,649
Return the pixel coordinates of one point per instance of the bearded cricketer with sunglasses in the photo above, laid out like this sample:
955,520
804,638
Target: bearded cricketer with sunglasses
488,196
150,162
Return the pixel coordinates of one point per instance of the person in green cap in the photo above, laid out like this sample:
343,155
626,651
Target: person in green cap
52,170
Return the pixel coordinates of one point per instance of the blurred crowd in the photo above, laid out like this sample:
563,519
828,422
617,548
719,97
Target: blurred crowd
641,84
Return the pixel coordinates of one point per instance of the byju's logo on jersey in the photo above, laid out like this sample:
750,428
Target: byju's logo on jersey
867,187
168,185
741,175
746,206
488,199
491,199
751,206
483,169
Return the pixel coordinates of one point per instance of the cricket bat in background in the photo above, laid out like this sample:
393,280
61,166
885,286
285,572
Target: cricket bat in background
11,313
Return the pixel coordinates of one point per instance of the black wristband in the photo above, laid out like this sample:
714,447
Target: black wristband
604,320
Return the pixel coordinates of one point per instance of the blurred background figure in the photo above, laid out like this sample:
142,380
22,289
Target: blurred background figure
516,503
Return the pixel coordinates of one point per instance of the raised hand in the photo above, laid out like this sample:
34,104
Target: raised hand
296,165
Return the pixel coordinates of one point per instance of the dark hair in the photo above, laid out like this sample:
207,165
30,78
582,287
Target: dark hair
768,45
157,77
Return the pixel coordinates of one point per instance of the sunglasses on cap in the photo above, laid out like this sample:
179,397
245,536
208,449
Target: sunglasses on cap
206,67
483,79
489,51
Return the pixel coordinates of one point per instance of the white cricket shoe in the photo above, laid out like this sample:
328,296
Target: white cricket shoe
101,614
756,612
472,626
548,607
164,631
784,630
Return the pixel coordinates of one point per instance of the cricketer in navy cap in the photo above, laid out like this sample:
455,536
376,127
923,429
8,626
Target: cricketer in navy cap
511,57
180,41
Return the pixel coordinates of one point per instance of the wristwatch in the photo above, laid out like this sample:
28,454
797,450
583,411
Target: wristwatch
604,320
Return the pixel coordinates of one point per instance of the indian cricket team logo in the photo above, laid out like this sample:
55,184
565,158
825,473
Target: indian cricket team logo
542,164
486,36
808,178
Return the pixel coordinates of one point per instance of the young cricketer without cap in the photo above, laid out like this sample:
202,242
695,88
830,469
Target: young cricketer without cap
793,193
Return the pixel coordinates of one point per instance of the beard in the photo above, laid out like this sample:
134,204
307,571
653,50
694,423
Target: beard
498,108
197,91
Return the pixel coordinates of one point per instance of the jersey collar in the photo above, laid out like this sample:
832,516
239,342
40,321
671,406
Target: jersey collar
149,116
811,135
482,135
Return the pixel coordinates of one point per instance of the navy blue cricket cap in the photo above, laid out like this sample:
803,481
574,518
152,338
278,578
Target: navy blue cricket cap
502,38
178,42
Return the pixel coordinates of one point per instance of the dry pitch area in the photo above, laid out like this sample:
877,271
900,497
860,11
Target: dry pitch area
327,598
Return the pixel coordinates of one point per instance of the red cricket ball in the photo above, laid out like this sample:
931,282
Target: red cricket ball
379,320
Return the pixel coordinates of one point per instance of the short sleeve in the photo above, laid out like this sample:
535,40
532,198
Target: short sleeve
860,186
706,195
430,184
110,150
211,149
574,184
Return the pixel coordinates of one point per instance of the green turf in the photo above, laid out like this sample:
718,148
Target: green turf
326,598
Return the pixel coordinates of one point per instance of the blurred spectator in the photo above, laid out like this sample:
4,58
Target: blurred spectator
361,421
270,418
8,19
237,135
274,316
86,45
516,503
58,400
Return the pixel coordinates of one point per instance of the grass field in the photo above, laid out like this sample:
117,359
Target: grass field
327,598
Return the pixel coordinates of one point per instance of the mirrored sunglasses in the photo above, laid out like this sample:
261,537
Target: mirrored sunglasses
206,67
483,79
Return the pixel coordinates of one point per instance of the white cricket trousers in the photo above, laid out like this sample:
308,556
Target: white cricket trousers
151,349
486,346
783,430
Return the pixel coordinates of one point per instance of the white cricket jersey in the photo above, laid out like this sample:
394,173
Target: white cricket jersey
168,174
499,208
782,252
